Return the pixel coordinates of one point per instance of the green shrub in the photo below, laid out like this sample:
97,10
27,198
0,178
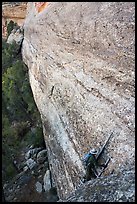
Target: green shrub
19,111
38,138
10,170
35,137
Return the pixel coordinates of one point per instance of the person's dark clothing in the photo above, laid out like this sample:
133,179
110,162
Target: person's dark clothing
91,165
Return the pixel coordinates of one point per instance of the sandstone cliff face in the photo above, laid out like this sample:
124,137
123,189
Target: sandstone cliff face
15,11
81,67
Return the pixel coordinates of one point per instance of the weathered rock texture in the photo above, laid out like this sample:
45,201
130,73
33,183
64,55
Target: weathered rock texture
81,67
15,11
113,188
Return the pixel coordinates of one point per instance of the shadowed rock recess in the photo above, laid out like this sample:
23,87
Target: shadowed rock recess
80,58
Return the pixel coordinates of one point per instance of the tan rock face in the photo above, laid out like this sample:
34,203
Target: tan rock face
40,6
81,67
13,11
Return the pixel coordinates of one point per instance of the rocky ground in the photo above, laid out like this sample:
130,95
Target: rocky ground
33,182
113,188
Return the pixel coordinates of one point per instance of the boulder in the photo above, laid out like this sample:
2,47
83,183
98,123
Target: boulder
42,156
38,187
31,163
16,36
32,152
47,181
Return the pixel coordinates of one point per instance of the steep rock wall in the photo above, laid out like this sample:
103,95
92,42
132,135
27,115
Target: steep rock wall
81,67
